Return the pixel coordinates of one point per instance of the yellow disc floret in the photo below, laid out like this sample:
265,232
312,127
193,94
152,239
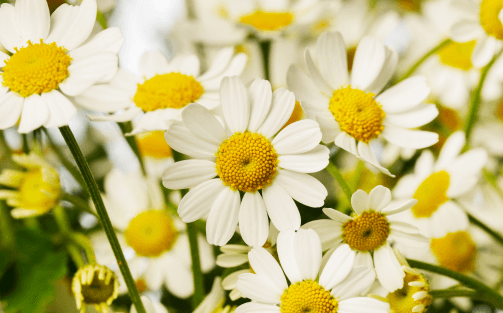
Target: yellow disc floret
40,189
489,11
357,113
246,162
296,115
307,296
95,285
499,111
366,232
456,251
154,145
172,90
457,54
36,68
431,194
414,296
268,21
151,233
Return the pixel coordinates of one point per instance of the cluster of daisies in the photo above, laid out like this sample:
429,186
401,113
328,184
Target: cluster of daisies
293,154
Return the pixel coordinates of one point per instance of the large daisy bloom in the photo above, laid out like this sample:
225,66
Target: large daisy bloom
370,231
347,108
437,184
335,290
160,94
153,238
52,59
248,157
484,25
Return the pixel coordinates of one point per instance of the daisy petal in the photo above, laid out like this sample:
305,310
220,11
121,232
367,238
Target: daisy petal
329,232
260,103
346,142
283,103
308,253
379,197
177,278
303,86
329,127
203,124
484,50
405,95
180,138
185,64
147,303
464,31
336,215
406,138
199,200
253,222
410,240
153,63
235,67
61,109
307,162
126,116
302,187
298,137
223,218
331,52
231,260
358,281
404,227
11,106
188,173
315,75
281,209
104,98
366,154
9,36
33,19
108,40
253,307
234,99
360,201
416,117
258,288
286,255
35,114
264,265
338,267
388,69
450,150
219,63
363,304
400,207
389,272
368,62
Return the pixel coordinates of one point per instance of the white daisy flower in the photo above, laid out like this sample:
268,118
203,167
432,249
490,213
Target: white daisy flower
155,242
163,89
247,157
349,113
484,25
436,186
369,232
150,306
52,59
300,258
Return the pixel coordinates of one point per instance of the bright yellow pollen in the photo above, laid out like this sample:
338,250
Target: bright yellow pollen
40,190
268,21
296,115
357,113
456,251
431,194
36,68
499,111
246,162
366,232
172,90
151,233
489,10
457,54
401,301
154,145
307,296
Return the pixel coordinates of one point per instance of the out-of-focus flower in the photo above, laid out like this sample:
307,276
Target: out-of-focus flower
155,152
214,301
150,306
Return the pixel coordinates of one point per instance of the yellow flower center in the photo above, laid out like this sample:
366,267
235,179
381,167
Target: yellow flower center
40,189
154,145
36,68
499,111
431,194
307,296
268,21
357,113
350,53
457,54
95,285
366,232
246,161
402,301
489,10
141,285
151,233
172,90
456,251
296,115
449,118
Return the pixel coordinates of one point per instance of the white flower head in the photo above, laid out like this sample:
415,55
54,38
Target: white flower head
346,106
248,158
52,59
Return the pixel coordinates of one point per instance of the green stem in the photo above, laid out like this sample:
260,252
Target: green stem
485,228
78,202
6,153
83,242
426,56
452,293
26,147
332,169
102,215
493,180
76,255
486,292
265,47
64,226
127,127
475,101
6,229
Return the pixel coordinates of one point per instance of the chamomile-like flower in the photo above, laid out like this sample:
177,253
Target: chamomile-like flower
335,290
347,108
163,90
52,59
248,158
369,232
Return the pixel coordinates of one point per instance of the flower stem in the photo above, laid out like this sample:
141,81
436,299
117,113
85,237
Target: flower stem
493,180
265,47
78,203
488,230
484,291
452,293
421,60
332,169
7,238
127,127
102,215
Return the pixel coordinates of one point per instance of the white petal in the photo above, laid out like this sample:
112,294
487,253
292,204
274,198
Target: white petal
406,138
264,265
254,307
308,253
329,127
410,240
61,109
258,288
298,137
260,103
203,124
368,62
231,260
180,138
219,63
338,267
464,31
223,217
230,281
360,201
366,154
33,19
9,36
153,63
108,40
178,277
450,150
363,304
405,95
280,207
307,162
315,75
147,304
185,64
302,187
387,71
336,215
235,67
329,231
127,115
283,103
188,173
379,198
331,52
404,227
104,98
484,50
35,114
11,106
389,272
303,87
234,99
416,117
399,207
346,142
286,255
358,281
253,222
198,201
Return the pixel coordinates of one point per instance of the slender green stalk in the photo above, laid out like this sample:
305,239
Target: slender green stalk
78,203
475,101
485,228
102,215
127,127
7,238
64,226
76,255
424,58
6,153
26,147
265,47
493,180
452,293
332,169
83,242
484,291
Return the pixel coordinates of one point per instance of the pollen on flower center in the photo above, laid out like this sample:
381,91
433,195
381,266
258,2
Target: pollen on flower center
489,10
246,161
366,232
431,194
307,296
268,21
154,145
151,233
171,90
40,189
36,68
413,296
456,251
457,54
357,113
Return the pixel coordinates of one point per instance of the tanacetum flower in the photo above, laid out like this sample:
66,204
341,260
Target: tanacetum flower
50,61
37,190
369,232
333,291
347,108
163,90
247,158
